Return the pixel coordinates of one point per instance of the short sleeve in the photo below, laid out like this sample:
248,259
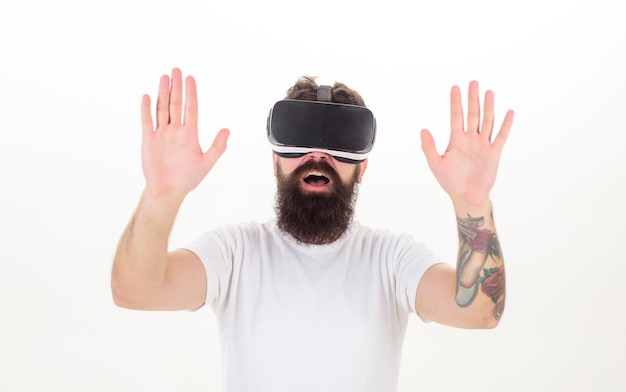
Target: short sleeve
413,259
216,249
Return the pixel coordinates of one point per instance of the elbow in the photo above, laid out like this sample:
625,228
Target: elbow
491,323
120,302
483,323
125,296
492,319
128,302
120,298
485,317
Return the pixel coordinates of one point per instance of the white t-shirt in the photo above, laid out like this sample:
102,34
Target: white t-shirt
297,317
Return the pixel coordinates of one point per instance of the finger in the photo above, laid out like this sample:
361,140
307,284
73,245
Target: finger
429,148
163,102
473,107
176,97
217,148
191,102
503,134
456,110
486,129
146,117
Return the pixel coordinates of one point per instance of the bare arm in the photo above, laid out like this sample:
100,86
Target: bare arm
145,275
472,296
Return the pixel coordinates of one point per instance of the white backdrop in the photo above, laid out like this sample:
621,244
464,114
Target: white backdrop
72,78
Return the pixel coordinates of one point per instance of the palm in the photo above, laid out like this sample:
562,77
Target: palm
467,170
172,160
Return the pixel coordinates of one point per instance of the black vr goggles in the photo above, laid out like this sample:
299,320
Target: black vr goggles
296,127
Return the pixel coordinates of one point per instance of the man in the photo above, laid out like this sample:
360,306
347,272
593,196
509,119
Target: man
312,301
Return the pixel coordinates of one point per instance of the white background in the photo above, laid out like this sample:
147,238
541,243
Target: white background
72,78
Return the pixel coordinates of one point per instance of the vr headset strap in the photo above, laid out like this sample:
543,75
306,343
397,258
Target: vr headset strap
324,93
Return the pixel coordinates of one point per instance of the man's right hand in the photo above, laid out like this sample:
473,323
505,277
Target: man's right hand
145,275
172,159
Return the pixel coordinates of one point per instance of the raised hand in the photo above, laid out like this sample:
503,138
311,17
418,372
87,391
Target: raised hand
467,169
172,159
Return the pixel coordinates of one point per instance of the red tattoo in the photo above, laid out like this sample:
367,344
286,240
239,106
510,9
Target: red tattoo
481,242
492,284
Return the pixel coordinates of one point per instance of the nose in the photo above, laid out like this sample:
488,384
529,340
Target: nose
317,155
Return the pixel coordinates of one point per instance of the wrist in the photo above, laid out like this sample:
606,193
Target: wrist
163,197
463,207
165,206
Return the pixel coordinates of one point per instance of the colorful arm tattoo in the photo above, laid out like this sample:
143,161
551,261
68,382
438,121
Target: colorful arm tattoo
476,246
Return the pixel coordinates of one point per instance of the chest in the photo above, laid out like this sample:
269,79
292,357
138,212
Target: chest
327,317
320,301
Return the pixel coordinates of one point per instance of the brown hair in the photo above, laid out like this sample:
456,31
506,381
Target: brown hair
306,89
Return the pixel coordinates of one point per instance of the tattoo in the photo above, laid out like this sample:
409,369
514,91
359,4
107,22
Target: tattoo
492,283
476,246
498,310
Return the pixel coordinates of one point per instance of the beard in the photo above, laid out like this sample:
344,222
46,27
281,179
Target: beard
314,217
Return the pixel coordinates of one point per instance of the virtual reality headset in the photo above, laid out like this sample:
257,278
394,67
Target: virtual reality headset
296,127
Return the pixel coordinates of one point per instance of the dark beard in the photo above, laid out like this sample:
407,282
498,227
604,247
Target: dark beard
314,218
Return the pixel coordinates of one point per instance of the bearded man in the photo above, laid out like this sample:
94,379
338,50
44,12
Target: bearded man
313,300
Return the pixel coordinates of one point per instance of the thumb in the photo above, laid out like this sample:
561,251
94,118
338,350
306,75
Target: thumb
217,148
428,147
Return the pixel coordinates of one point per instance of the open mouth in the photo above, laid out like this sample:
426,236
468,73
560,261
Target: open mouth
316,179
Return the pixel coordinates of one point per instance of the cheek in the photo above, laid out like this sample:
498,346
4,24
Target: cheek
284,167
349,172
276,163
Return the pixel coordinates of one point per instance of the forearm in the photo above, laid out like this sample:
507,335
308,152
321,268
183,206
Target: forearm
141,259
480,267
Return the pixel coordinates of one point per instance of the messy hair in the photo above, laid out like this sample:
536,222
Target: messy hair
306,89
